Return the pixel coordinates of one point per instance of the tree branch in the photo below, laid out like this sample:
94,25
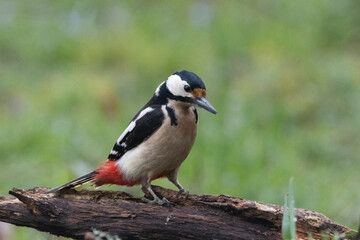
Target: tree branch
74,214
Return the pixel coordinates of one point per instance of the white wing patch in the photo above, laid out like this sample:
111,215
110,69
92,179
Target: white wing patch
143,112
163,109
128,129
133,124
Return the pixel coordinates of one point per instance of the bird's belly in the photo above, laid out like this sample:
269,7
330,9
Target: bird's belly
161,153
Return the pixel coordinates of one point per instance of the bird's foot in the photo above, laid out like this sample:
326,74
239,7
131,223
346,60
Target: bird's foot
157,201
182,191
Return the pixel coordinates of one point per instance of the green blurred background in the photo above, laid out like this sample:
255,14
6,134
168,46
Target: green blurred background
283,75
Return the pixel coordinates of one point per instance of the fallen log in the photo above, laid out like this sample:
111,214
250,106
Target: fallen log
76,214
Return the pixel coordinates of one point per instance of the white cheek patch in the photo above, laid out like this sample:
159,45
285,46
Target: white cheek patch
176,86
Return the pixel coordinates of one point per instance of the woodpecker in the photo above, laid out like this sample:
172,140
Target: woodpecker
157,140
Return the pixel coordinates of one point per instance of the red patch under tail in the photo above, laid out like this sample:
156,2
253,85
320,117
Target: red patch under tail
109,173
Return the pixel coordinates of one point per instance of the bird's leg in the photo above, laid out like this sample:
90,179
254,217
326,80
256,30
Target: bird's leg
172,176
146,184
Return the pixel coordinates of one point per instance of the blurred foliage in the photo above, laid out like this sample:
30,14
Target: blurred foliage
283,75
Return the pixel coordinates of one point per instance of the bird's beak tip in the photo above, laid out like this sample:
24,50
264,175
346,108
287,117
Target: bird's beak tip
205,104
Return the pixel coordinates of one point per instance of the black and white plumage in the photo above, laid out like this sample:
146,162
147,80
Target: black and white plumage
158,138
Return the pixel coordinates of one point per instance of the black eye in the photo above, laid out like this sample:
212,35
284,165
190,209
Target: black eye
187,88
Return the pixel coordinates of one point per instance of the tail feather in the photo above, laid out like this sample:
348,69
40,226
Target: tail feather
75,182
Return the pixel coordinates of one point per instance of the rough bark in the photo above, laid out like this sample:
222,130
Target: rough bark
74,214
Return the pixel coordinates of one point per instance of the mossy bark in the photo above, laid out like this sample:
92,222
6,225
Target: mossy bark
75,214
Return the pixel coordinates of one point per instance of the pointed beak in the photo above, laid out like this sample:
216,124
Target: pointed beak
203,103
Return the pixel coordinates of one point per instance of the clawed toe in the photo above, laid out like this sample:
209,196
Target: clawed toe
182,191
164,200
156,201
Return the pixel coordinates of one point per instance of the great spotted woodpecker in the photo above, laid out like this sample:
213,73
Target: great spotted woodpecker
157,140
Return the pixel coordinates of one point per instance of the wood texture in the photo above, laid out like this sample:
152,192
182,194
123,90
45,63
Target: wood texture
74,214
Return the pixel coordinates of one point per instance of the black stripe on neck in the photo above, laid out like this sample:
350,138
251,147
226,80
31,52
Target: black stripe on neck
172,116
196,115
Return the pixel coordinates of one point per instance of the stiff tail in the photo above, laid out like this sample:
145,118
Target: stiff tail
75,182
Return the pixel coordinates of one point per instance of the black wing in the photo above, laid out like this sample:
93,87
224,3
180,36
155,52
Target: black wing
143,125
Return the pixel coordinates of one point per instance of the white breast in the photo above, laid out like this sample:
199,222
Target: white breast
164,151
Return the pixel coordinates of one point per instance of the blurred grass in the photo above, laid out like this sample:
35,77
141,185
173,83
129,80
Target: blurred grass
284,77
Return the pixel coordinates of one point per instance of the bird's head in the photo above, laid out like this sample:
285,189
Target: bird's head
185,87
